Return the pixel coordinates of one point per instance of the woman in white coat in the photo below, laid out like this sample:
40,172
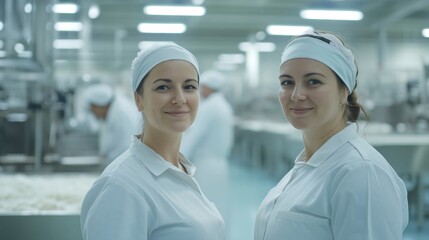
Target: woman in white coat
149,191
212,134
340,187
119,120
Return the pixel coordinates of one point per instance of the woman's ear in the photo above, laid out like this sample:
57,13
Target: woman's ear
139,101
344,95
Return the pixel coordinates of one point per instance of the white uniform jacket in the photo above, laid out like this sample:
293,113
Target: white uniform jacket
212,133
141,196
345,191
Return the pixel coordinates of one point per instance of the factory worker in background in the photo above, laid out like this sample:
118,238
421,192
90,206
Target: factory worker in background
208,142
211,135
118,117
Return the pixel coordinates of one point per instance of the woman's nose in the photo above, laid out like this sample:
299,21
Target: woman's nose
298,93
179,97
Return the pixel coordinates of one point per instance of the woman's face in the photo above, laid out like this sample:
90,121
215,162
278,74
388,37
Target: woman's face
170,96
310,95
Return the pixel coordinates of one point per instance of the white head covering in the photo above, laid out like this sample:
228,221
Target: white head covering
327,49
99,94
149,57
213,79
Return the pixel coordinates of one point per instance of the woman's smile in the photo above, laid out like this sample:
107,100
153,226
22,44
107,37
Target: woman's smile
300,110
177,113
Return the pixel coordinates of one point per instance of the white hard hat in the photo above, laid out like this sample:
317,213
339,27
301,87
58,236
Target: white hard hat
99,94
213,79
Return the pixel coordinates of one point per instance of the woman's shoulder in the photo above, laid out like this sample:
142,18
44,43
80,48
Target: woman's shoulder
361,158
126,170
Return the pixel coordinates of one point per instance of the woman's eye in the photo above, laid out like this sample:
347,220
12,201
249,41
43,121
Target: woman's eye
162,88
314,82
286,82
191,87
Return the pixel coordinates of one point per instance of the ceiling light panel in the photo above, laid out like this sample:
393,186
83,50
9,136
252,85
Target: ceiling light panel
235,58
287,30
68,43
161,27
65,8
94,12
175,10
260,46
68,26
346,15
425,32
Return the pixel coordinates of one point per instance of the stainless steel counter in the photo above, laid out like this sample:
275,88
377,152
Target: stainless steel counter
42,206
264,137
40,227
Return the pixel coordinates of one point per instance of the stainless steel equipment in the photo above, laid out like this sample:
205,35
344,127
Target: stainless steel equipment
26,77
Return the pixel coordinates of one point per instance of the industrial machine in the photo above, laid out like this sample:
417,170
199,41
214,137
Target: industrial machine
34,113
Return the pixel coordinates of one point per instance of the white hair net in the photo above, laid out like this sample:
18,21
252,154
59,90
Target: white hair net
99,94
327,49
213,79
149,57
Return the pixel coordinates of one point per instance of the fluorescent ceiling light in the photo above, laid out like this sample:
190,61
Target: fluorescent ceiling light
260,46
28,8
175,10
94,12
67,8
68,26
224,66
161,27
425,32
1,25
347,15
68,43
231,58
148,44
287,30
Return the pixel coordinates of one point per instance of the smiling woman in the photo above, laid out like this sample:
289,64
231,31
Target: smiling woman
169,97
149,192
310,94
340,186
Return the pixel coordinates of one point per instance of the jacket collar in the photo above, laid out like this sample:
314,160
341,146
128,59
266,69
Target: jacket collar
330,146
154,162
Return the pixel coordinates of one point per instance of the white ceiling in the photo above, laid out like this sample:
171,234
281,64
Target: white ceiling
113,36
229,22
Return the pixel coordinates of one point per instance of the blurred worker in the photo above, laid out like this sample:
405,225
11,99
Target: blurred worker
119,120
211,135
208,142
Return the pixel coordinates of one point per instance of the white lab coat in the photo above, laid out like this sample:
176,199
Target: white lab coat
142,196
122,122
211,135
346,190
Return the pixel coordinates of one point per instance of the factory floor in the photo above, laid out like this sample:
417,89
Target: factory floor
235,188
246,187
